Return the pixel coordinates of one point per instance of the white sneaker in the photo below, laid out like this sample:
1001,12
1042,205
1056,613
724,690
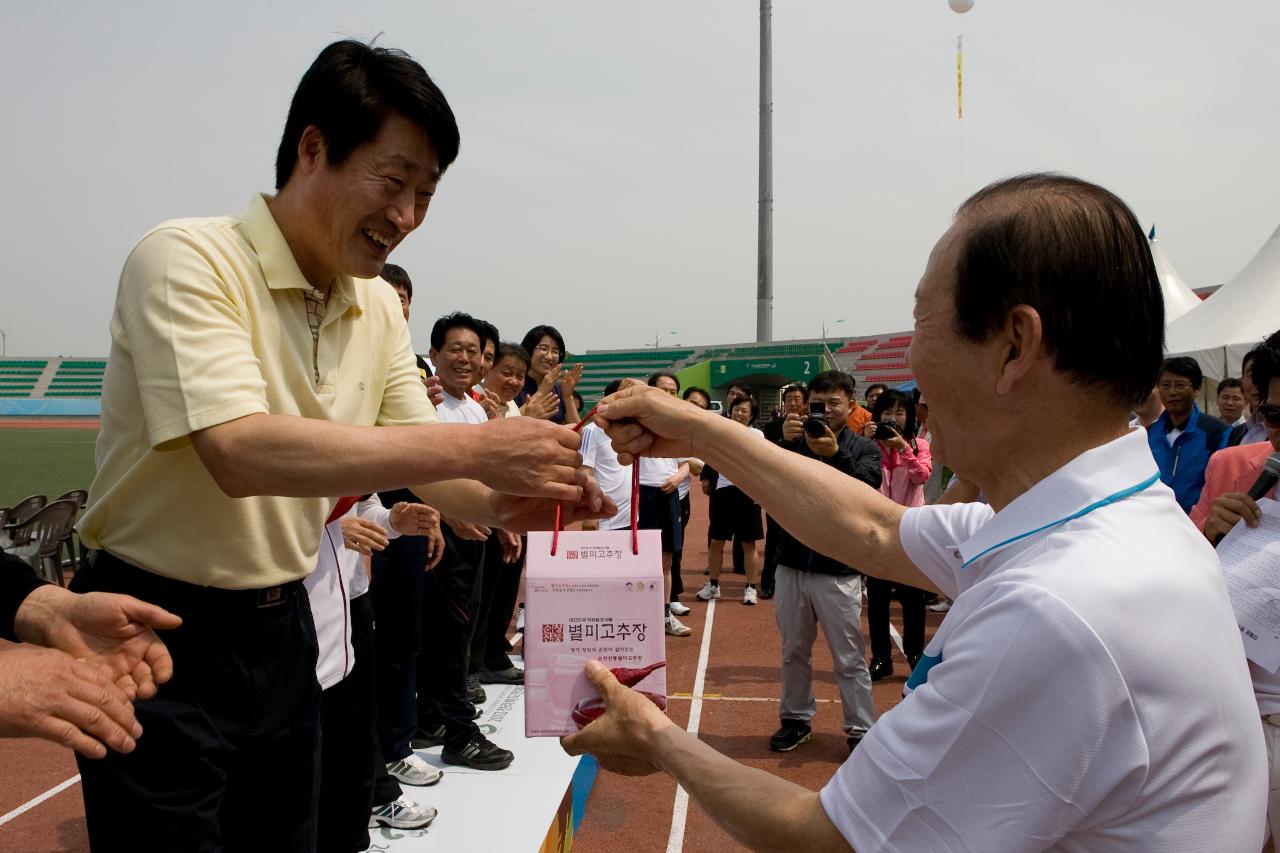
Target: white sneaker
678,609
414,771
520,619
404,813
676,628
749,595
942,605
709,591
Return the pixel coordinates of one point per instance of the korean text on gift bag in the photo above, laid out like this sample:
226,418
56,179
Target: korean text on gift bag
598,597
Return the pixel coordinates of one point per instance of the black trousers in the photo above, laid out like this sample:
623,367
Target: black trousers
349,745
396,594
230,756
499,588
450,599
879,592
677,557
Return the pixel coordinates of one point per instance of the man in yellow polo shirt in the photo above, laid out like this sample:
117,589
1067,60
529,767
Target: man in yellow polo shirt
254,374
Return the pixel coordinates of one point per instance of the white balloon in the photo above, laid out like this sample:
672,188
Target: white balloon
960,6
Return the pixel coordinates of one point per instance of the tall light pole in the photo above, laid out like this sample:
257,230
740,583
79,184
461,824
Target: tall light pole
657,338
764,242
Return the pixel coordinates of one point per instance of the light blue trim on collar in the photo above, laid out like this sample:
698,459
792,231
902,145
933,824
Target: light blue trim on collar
1107,501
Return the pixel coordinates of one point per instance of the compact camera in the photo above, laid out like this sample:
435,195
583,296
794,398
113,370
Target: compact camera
886,430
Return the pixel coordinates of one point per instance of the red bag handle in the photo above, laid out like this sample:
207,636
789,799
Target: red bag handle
635,499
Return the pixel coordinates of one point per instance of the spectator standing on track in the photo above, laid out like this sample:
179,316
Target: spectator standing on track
451,598
906,466
659,509
734,516
1087,690
547,377
795,406
1183,438
350,761
814,590
859,416
613,477
1223,503
701,398
249,368
874,390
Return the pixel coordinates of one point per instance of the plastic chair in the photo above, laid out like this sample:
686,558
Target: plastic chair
19,515
72,541
42,536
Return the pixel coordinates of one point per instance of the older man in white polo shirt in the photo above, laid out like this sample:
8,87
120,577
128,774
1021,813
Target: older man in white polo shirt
1088,690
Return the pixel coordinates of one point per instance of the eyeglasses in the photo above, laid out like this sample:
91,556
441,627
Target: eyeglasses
547,350
1269,414
1182,387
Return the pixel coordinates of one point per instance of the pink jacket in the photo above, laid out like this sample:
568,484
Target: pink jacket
906,473
1232,469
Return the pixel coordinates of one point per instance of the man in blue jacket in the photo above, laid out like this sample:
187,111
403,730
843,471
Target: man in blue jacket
1183,438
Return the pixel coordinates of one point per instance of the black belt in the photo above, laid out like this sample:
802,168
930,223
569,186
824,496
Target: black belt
126,572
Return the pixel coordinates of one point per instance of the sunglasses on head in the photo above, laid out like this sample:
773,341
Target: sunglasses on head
1269,413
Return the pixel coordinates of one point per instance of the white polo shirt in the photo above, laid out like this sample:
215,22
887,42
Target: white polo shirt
461,411
1086,692
614,479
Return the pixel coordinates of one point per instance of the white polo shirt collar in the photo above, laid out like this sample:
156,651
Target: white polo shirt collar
1094,479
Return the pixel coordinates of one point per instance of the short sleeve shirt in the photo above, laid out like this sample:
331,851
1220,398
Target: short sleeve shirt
613,478
210,325
1087,690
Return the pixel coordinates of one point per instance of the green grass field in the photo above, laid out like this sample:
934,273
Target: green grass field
44,461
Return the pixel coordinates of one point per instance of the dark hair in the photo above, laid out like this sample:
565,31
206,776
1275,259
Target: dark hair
612,387
653,379
456,320
834,380
1183,366
509,350
350,91
794,387
534,336
577,399
489,332
891,398
1230,382
399,279
1075,253
873,386
694,389
755,406
1266,365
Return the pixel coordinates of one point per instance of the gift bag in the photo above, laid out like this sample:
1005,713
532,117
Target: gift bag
590,595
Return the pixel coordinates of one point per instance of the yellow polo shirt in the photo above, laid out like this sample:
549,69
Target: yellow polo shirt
210,325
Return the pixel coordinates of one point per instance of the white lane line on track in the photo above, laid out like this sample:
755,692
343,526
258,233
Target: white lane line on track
31,804
675,841
897,638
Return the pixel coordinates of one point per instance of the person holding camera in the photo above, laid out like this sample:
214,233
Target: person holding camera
906,466
811,589
733,516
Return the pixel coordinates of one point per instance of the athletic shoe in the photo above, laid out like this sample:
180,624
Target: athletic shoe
942,605
520,619
678,609
709,591
854,740
766,592
427,738
412,770
403,813
510,675
792,734
475,693
676,628
480,753
749,595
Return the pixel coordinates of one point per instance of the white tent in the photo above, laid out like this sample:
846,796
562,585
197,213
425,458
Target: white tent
1178,297
1230,322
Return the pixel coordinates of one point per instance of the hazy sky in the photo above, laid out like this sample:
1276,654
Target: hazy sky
607,177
